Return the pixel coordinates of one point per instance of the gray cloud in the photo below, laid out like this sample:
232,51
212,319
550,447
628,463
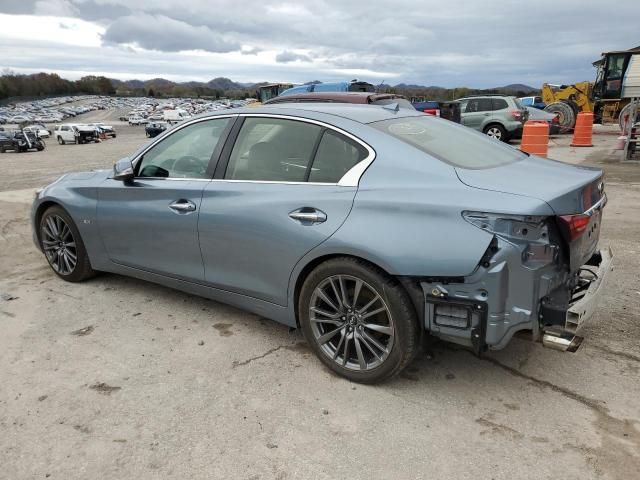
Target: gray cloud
157,32
287,57
251,51
478,44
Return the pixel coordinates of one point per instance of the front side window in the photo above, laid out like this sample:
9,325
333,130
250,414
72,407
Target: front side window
273,149
336,155
449,142
186,153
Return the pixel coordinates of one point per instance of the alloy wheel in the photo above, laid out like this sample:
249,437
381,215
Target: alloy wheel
59,245
351,322
494,132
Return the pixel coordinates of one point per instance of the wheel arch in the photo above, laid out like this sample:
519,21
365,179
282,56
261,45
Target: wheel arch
43,207
493,123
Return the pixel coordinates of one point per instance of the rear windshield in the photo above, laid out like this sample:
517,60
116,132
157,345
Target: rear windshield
449,142
402,103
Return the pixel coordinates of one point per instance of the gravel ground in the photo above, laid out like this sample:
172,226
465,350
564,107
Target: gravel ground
118,378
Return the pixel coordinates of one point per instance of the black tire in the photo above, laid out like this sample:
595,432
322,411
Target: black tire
82,270
566,115
496,131
402,320
60,140
1,149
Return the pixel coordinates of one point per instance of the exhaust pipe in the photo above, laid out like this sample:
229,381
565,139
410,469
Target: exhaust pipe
563,342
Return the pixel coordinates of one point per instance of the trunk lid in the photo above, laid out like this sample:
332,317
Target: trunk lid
569,190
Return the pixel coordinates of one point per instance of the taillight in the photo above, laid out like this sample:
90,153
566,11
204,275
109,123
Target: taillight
516,114
576,224
432,111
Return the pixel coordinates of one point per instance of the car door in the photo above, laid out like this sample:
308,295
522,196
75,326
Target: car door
277,194
151,222
476,113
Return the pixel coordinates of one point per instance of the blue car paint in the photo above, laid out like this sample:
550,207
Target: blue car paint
404,216
319,87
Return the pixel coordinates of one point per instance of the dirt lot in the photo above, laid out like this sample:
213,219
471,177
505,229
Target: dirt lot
118,378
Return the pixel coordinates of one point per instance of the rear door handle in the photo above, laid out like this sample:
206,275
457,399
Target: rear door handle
183,206
307,215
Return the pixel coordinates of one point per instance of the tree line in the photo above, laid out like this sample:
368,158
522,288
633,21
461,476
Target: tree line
50,84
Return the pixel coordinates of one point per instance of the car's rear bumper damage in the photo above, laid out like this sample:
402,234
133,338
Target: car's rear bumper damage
516,288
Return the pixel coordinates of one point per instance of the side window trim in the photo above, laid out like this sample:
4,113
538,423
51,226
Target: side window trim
350,179
314,152
212,161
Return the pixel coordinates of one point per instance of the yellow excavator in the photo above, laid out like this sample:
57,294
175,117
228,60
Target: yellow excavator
604,97
566,101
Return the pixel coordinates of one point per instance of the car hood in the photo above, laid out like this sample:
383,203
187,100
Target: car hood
568,189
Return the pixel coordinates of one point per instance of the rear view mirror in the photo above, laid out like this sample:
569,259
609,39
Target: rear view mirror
123,170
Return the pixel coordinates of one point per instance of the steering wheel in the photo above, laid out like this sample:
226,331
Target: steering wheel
189,164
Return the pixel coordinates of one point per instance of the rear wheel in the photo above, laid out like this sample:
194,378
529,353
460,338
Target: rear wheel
63,246
566,115
496,131
359,321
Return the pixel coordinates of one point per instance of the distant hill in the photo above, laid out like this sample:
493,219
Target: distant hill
404,86
518,87
223,83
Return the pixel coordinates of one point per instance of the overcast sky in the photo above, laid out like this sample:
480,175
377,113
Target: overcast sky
476,43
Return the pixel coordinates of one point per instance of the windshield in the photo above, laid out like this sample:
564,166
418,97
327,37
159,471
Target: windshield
402,103
449,142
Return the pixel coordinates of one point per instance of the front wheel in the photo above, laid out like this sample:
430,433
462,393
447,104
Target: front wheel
63,246
60,140
496,131
359,321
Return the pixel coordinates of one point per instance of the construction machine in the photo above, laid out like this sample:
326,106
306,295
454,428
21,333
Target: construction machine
566,101
604,97
616,83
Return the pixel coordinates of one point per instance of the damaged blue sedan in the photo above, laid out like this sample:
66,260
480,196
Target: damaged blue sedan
368,227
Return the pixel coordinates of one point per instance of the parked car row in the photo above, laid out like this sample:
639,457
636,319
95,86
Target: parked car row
50,110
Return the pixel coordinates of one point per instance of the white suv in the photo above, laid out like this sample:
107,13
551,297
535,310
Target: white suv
65,134
138,121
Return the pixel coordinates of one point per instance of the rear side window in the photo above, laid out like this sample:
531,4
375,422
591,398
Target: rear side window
270,149
449,142
336,155
478,105
500,104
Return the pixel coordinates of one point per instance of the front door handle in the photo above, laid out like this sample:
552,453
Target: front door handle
183,206
307,215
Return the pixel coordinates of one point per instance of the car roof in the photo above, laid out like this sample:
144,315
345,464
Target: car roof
351,111
344,97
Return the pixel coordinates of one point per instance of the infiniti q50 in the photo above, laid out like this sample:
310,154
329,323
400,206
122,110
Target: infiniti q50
368,227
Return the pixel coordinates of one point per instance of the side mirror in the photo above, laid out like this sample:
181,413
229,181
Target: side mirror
123,170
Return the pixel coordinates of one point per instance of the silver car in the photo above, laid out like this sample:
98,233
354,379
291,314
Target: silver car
368,227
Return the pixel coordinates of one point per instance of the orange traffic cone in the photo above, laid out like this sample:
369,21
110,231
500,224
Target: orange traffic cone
535,138
584,130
